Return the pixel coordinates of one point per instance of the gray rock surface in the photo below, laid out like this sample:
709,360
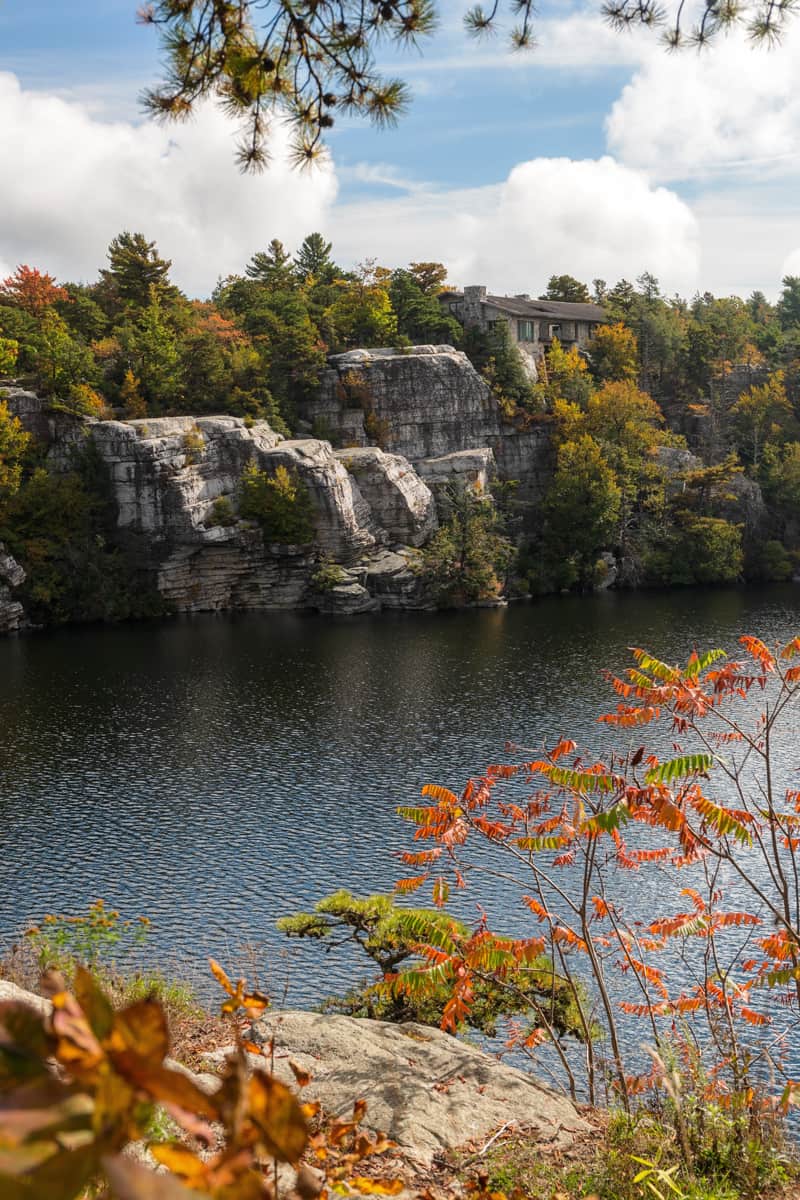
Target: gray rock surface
391,576
428,1091
400,501
425,402
465,468
167,474
11,993
12,614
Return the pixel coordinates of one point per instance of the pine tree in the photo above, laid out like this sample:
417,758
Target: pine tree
135,269
272,266
313,260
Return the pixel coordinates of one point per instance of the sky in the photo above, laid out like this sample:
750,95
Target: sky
596,154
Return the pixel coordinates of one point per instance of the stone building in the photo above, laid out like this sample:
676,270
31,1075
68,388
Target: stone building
532,323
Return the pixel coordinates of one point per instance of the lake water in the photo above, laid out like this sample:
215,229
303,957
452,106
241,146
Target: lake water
216,773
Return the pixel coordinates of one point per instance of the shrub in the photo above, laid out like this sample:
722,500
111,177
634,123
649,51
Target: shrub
327,576
193,444
279,503
222,512
389,935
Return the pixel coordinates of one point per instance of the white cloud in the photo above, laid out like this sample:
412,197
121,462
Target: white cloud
79,181
591,218
732,110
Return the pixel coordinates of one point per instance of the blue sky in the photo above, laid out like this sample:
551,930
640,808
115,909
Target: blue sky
596,153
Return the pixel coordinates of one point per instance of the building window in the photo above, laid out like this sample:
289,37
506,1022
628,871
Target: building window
524,331
555,331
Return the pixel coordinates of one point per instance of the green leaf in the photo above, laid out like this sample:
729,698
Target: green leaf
688,764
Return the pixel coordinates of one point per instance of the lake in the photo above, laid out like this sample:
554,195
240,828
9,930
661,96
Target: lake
215,773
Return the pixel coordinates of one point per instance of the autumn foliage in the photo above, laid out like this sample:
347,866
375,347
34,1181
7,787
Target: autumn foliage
32,290
710,808
77,1087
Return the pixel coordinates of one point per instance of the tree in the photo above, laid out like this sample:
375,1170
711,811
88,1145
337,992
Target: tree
313,260
581,511
361,313
151,352
788,307
493,353
272,267
135,273
613,353
61,361
9,352
280,503
760,414
14,445
563,375
310,60
31,290
566,287
419,314
431,277
468,557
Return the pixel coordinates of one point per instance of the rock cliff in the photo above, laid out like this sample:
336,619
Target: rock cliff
12,615
425,403
168,474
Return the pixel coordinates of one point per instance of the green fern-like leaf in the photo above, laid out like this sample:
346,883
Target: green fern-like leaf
680,768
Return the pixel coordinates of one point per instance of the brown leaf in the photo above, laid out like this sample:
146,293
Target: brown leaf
77,1047
303,1077
142,1028
309,1183
164,1085
275,1111
66,1174
359,1110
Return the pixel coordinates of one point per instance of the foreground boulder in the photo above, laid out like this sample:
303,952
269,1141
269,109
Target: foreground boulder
428,1091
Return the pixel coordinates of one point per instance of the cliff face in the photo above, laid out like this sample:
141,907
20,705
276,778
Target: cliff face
168,473
434,416
12,615
424,403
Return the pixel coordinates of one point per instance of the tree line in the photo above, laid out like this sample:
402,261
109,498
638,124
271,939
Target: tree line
659,429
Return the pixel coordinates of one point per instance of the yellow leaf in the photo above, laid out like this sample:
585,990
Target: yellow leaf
130,1181
276,1113
376,1187
179,1160
220,976
141,1028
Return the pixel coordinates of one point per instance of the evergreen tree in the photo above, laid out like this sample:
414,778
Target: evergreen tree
788,307
272,267
566,287
313,260
419,314
135,272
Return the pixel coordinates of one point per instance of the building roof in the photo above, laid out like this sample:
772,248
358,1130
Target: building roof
519,306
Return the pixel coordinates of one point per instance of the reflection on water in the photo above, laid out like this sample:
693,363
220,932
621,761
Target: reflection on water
218,772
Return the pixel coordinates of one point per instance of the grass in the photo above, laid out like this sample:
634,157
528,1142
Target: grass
194,1029
620,1158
